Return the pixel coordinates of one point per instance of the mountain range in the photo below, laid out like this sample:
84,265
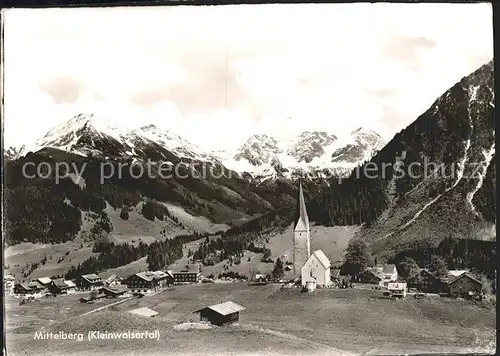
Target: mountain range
261,157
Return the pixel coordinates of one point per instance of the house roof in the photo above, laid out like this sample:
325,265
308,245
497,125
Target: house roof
144,312
456,272
91,277
374,273
44,280
335,272
389,269
191,268
466,274
116,290
257,276
224,308
160,274
25,286
35,284
8,277
70,284
60,282
147,276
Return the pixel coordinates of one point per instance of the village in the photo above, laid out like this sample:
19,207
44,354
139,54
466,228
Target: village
311,272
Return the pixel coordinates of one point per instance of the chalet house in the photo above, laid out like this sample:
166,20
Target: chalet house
22,289
427,282
115,292
164,278
220,314
90,282
190,274
31,288
143,282
260,278
465,285
58,286
317,267
371,276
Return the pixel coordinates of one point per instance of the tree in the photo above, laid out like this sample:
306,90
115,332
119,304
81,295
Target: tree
357,258
487,285
408,268
124,213
438,267
278,271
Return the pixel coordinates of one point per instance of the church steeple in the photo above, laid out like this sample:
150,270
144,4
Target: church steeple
301,236
303,219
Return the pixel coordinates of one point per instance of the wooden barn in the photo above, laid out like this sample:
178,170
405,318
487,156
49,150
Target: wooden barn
220,314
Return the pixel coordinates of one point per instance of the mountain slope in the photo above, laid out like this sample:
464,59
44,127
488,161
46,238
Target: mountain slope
416,207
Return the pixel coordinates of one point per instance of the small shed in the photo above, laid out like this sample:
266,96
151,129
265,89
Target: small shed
220,314
144,312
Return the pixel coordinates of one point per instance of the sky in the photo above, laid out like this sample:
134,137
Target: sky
218,74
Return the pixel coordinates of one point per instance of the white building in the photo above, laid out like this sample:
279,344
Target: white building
301,238
8,281
389,275
317,267
397,289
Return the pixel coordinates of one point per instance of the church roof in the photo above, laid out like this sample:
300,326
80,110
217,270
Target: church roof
322,258
303,221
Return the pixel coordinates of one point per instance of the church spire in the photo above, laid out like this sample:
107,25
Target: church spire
303,221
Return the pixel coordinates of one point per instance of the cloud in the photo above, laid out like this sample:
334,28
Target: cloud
407,49
219,74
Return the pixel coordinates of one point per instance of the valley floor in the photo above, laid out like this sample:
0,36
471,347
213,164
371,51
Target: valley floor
275,322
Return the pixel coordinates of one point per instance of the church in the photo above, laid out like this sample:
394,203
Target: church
306,266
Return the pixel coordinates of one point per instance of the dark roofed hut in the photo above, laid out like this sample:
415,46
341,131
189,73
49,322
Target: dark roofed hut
220,314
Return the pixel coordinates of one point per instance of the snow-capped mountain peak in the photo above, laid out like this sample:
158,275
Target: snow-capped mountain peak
363,145
263,156
309,145
259,149
66,135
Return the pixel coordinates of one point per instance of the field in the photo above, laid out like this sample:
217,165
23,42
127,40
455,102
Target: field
332,240
285,322
61,257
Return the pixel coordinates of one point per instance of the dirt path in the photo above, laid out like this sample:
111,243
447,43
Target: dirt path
87,313
103,307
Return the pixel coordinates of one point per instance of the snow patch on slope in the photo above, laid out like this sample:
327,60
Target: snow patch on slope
481,174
